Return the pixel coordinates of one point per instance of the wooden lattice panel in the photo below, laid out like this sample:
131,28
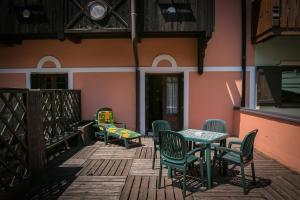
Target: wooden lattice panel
71,107
13,137
61,113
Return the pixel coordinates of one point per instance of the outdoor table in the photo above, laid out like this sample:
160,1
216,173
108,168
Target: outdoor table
207,138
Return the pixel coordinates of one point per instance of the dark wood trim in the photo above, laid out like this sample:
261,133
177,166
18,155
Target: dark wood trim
244,49
13,90
137,99
60,20
201,47
255,18
67,18
105,35
140,19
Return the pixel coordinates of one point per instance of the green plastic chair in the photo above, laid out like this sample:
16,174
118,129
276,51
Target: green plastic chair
158,125
174,154
242,157
216,125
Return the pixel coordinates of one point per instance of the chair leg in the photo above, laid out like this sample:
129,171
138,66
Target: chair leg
192,166
214,162
105,138
253,173
215,152
184,183
221,163
243,179
126,143
224,168
201,168
202,155
159,176
153,156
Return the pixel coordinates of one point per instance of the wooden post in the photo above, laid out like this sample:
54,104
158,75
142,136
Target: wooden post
36,140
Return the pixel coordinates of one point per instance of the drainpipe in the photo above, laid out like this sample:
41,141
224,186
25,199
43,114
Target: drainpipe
244,14
136,62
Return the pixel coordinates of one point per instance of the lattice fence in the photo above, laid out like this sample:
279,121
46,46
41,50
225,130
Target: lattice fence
26,119
61,114
13,137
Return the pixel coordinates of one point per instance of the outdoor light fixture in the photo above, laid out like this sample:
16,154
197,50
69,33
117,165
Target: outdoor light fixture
26,13
97,10
171,10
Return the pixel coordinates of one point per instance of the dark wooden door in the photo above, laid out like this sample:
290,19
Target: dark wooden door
164,99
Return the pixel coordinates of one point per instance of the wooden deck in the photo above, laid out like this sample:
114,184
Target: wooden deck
113,172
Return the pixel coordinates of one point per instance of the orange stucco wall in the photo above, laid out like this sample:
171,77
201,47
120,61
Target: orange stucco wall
99,52
12,80
213,95
276,138
225,46
115,90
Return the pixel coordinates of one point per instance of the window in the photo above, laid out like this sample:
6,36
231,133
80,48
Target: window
172,95
278,86
49,81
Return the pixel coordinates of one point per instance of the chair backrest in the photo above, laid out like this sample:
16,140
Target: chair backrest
215,125
105,116
248,145
172,145
104,109
160,125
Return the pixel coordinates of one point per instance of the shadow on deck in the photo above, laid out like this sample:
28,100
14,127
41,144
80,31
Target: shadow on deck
113,172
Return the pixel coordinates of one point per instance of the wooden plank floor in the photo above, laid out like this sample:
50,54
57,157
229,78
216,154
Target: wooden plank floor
102,171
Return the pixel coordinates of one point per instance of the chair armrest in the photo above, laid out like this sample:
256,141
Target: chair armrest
195,150
96,125
229,150
238,142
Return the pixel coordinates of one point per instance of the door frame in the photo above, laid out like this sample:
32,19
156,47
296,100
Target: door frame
173,69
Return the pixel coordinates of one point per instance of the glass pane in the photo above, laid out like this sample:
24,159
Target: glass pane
48,82
290,87
172,95
61,82
279,86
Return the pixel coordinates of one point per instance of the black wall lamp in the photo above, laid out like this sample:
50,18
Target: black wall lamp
30,11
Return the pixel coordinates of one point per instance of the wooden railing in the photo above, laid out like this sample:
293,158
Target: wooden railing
290,14
30,123
275,17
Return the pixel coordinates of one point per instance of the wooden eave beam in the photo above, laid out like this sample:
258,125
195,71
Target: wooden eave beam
201,47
